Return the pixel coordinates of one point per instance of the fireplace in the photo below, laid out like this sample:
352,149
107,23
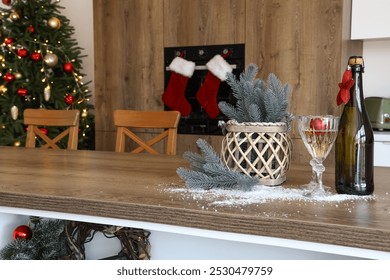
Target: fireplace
198,122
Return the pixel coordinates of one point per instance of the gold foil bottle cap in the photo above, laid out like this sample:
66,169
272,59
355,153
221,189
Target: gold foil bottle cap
356,60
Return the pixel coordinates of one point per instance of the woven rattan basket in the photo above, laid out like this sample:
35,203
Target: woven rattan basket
258,149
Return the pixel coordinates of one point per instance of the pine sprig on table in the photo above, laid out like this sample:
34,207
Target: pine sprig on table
209,172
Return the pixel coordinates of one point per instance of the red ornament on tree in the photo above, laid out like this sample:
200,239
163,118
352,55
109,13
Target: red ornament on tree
36,56
9,77
8,40
22,52
68,67
31,29
22,91
43,130
69,99
7,2
22,232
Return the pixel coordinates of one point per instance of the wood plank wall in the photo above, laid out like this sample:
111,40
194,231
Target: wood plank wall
304,42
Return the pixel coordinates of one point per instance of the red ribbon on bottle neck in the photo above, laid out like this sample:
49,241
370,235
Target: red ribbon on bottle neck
344,95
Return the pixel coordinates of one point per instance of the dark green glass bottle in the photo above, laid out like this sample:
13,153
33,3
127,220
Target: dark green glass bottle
355,140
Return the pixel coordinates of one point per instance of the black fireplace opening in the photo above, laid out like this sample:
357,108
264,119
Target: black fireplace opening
198,121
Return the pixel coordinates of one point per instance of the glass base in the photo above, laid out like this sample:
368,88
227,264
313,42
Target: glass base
313,189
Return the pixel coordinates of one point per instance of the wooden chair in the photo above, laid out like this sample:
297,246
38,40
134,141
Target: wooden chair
125,120
34,118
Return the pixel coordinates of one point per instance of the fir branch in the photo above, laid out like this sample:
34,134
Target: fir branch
47,243
257,101
209,172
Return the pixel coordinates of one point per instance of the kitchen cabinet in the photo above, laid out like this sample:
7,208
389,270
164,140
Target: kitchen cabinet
382,148
370,19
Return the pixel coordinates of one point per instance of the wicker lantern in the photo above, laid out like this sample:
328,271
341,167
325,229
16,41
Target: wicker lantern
257,141
258,149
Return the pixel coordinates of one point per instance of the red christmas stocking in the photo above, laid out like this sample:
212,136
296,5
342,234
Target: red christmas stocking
207,94
174,94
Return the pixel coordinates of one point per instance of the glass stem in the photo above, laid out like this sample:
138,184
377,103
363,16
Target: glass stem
319,168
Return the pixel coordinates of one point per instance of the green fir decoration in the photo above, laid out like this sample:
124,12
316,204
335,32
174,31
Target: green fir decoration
48,242
257,101
209,172
40,67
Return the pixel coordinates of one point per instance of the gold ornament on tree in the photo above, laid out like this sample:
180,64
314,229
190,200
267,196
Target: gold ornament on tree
14,16
14,112
51,59
3,89
47,93
18,75
54,23
84,114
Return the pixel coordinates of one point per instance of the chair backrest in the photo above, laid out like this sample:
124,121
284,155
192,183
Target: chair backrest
125,120
36,118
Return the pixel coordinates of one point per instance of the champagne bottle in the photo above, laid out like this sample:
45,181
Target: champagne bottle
355,140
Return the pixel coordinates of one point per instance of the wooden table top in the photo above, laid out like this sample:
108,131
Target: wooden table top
139,187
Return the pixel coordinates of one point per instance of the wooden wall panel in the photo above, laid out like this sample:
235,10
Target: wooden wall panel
303,42
203,22
128,60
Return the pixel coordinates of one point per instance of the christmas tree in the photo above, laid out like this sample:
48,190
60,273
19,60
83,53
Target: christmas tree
42,239
40,67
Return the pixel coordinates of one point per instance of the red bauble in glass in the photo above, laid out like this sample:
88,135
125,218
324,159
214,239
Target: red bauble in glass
6,2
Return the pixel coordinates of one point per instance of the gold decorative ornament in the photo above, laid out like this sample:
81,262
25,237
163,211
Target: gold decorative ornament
54,23
84,114
47,93
51,59
14,16
14,112
18,75
3,89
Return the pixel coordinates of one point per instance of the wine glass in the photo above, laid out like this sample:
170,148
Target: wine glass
318,134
